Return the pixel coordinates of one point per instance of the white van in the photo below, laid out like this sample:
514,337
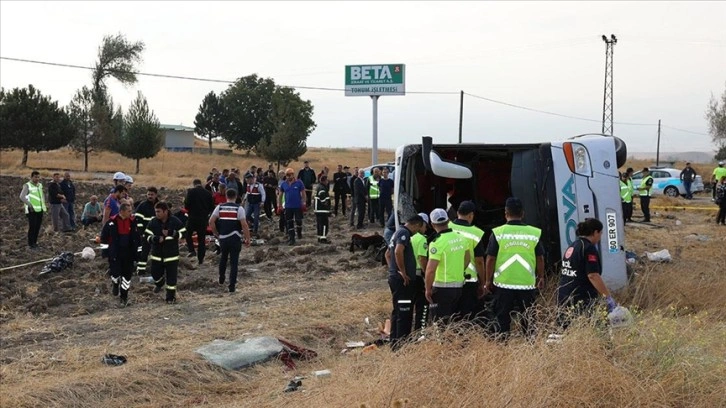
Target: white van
559,183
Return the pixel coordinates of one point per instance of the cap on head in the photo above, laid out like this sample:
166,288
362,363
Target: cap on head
424,216
129,179
249,175
466,207
720,163
119,176
513,205
439,216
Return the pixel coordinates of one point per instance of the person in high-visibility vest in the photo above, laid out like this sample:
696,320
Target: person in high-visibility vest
374,195
646,184
629,176
473,291
626,197
32,197
448,258
514,267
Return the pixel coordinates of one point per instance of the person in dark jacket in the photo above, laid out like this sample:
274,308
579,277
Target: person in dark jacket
269,181
69,191
385,199
163,233
123,241
58,213
340,189
308,177
322,210
688,176
145,212
199,204
360,194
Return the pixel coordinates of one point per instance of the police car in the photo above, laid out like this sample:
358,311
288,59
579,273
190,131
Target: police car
667,181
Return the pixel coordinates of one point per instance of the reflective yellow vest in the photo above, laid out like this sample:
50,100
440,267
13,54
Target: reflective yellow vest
449,248
373,191
516,263
625,194
35,196
473,234
645,193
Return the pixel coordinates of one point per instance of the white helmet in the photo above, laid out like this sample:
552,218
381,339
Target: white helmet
119,176
129,179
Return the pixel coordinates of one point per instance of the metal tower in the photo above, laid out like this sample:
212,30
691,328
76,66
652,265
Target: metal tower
607,101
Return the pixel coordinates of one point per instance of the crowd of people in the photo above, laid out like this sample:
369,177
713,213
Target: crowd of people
144,236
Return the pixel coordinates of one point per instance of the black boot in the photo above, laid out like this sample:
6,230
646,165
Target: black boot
170,296
115,288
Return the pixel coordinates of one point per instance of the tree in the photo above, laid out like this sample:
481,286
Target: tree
716,116
211,119
141,136
248,103
292,120
32,122
117,58
80,110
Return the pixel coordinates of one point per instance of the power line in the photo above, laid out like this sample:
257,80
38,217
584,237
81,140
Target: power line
318,88
553,113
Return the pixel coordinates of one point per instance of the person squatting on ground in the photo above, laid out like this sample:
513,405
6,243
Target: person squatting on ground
646,185
123,240
32,197
145,212
92,212
374,194
255,197
58,213
340,189
293,192
626,197
580,278
471,305
401,278
199,204
163,233
69,191
385,197
514,268
448,257
721,201
360,194
322,210
228,222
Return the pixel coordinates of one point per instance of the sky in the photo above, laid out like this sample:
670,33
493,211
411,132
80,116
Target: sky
669,60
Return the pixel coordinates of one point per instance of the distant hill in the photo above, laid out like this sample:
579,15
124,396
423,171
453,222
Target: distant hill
693,157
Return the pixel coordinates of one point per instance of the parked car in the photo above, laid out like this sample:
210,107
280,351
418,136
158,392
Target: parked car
391,168
667,181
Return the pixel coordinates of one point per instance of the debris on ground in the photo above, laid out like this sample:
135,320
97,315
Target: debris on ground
59,263
293,385
697,237
321,373
234,355
113,360
620,317
661,256
631,257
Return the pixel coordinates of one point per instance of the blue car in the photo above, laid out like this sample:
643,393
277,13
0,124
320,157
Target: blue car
667,181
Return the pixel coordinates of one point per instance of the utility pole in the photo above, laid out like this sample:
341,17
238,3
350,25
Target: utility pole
657,149
461,114
607,101
374,151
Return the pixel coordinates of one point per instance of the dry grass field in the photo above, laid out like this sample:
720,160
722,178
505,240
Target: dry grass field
55,329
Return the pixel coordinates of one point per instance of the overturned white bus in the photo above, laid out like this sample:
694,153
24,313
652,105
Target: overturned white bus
559,183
